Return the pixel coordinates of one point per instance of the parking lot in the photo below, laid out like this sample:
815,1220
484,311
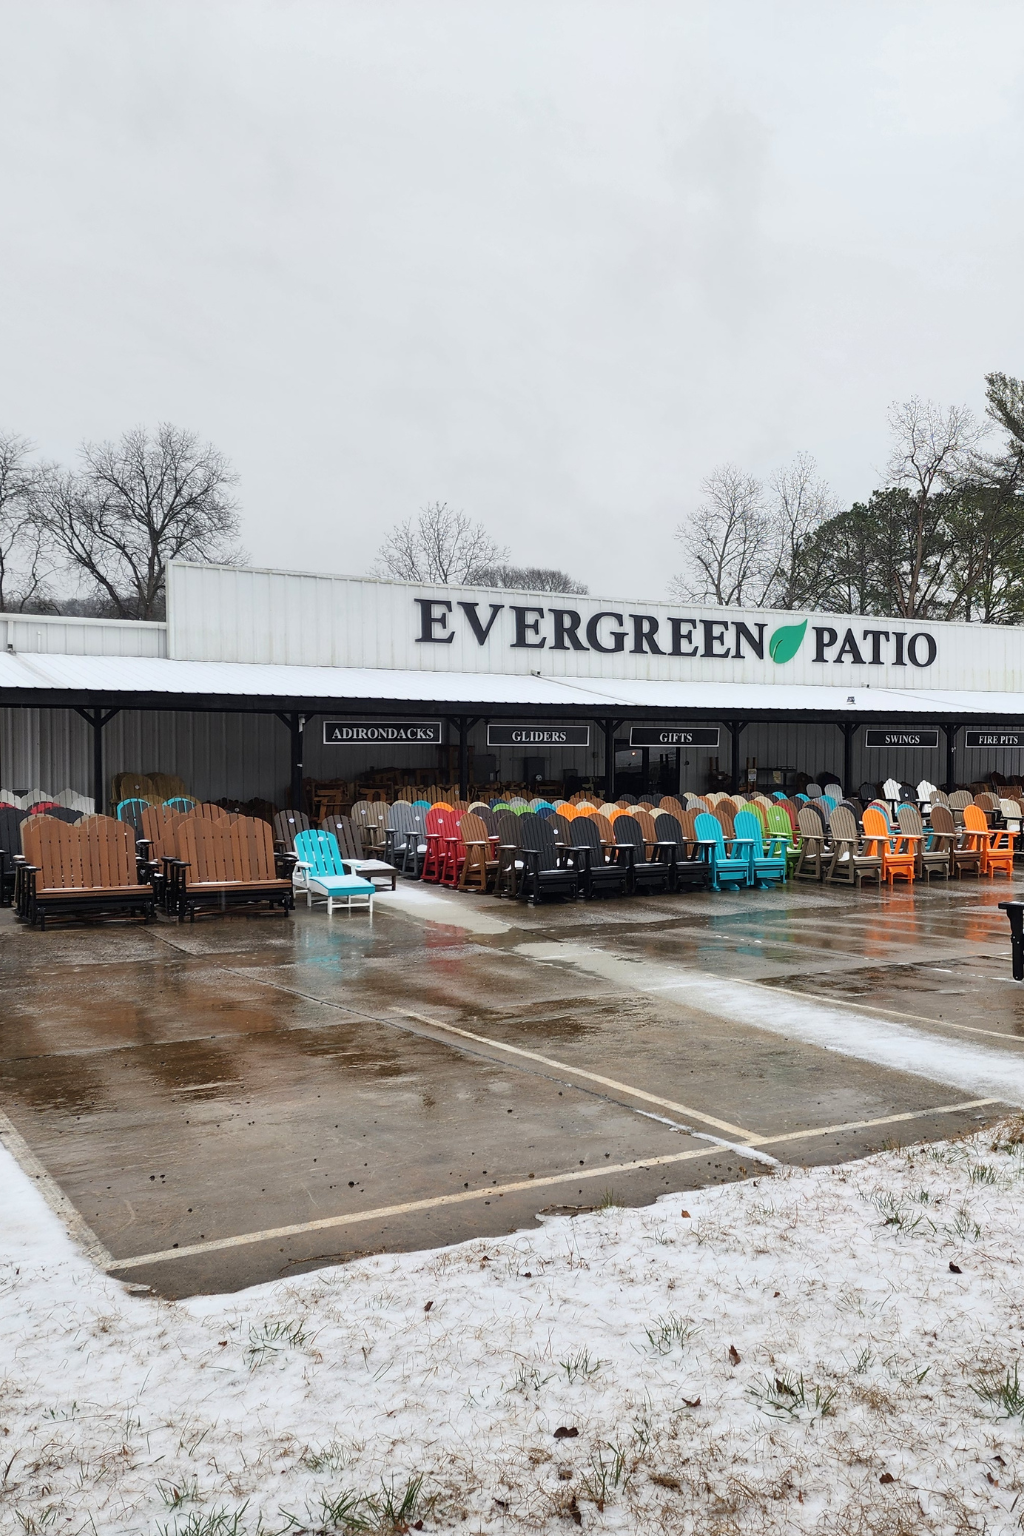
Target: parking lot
219,1105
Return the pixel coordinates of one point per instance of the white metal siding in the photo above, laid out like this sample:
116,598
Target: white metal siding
42,634
219,613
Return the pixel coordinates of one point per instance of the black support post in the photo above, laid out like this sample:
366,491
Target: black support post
849,729
463,759
950,731
609,727
98,718
736,729
295,723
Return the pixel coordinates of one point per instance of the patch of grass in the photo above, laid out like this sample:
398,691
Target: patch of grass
668,1333
580,1365
388,1513
215,1522
864,1363
604,1475
35,1525
1005,1395
271,1339
791,1397
184,1491
330,1458
963,1225
983,1173
527,1379
895,1214
609,1201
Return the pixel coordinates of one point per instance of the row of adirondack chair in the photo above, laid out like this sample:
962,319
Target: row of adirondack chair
203,860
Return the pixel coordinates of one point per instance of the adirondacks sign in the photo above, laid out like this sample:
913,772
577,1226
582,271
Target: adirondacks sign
903,738
999,741
538,735
674,736
392,733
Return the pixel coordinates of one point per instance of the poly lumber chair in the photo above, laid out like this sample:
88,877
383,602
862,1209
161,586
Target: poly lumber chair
596,873
223,864
321,871
85,870
547,870
687,869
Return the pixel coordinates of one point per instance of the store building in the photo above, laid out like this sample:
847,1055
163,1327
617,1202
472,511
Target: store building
259,678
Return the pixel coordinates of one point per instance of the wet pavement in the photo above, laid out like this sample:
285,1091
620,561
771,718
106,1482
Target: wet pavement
254,1096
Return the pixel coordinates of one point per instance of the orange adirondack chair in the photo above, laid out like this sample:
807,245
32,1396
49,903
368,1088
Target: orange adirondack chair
995,846
898,849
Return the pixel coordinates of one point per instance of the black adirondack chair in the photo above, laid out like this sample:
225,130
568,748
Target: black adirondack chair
510,859
685,870
595,873
62,813
547,869
644,874
11,818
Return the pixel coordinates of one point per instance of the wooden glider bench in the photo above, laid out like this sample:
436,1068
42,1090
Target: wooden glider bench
84,870
223,864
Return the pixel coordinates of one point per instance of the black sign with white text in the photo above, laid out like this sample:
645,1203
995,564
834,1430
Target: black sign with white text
538,735
994,740
674,735
874,737
391,733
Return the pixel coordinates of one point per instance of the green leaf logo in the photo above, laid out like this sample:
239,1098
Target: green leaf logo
785,642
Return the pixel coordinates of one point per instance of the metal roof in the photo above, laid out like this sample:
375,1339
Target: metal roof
148,682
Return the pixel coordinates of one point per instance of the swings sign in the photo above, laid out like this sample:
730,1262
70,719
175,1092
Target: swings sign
610,633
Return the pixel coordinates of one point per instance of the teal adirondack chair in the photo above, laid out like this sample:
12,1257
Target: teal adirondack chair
766,852
321,872
734,868
180,803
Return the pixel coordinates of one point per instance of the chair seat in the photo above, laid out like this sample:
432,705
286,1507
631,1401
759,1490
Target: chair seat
342,885
95,890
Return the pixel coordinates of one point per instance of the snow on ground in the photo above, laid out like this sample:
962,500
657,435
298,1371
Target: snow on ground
830,1351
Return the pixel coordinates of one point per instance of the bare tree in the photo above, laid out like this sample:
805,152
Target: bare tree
799,504
138,503
933,450
440,546
528,578
24,566
727,542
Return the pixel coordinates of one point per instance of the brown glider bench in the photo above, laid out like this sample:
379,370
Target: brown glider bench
226,863
86,870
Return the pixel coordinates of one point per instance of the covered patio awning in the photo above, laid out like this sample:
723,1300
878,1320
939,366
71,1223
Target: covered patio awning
142,682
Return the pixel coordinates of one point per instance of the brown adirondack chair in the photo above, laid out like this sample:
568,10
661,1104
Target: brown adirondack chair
932,860
965,857
227,863
479,866
79,870
811,863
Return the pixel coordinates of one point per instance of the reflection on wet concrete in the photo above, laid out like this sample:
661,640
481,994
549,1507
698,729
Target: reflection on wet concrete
184,1085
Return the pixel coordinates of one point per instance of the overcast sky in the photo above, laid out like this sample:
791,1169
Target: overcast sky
551,262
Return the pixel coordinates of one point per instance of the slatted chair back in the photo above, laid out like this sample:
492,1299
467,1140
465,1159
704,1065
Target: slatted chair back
825,806
221,851
182,803
844,826
604,829
668,829
477,860
166,785
898,854
319,849
939,797
690,824
583,833
405,825
975,820
206,810
97,853
132,811
629,833
1010,811
159,828
726,817
73,801
561,829
810,865
812,790
959,799
645,821
58,812
288,824
345,835
942,822
777,820
672,805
